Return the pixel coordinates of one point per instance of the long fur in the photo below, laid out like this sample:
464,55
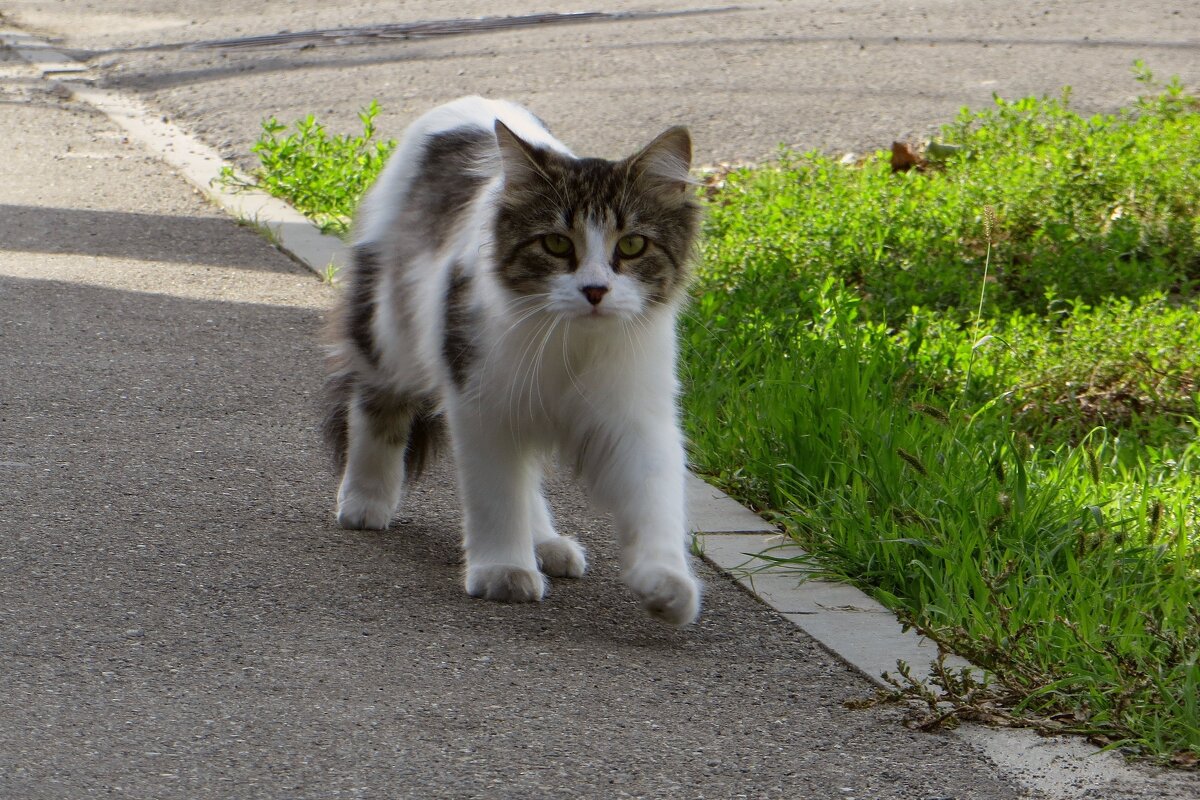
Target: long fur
523,300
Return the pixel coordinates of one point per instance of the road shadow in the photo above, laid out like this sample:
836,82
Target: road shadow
353,55
176,592
170,447
212,241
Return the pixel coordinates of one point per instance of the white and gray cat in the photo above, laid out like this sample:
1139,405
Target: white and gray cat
525,299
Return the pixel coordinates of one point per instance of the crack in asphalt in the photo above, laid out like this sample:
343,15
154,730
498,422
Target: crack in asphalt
431,28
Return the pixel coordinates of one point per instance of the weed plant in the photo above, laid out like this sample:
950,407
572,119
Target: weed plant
1087,208
321,175
991,427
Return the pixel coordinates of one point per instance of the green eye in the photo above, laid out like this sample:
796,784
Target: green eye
557,245
631,246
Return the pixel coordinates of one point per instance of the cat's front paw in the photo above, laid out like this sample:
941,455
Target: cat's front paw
505,583
357,514
562,557
669,594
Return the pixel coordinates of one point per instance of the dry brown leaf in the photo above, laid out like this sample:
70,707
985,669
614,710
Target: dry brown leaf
904,157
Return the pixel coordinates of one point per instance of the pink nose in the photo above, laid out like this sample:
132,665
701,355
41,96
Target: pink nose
594,294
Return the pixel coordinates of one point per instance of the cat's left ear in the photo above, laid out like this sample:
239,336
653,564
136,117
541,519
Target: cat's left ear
664,163
522,162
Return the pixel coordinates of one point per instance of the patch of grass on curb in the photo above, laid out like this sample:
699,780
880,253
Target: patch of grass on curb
321,175
972,388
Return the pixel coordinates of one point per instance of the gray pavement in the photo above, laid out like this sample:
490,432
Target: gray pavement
850,75
179,617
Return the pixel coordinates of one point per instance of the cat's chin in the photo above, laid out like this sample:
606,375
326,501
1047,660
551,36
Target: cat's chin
598,316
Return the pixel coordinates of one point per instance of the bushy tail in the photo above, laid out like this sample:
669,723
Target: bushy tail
426,440
335,429
415,421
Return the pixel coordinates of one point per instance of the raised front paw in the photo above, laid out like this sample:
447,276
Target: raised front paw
357,513
562,557
505,583
667,593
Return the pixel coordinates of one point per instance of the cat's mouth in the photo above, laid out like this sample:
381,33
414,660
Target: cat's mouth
598,313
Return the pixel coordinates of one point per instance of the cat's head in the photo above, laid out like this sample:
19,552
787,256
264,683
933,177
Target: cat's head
593,238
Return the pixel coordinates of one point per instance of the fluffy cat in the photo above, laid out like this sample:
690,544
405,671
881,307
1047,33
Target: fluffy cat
525,299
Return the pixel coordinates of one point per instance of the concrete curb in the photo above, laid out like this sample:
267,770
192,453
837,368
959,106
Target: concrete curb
847,622
850,624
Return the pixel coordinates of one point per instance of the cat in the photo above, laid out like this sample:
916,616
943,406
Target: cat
525,300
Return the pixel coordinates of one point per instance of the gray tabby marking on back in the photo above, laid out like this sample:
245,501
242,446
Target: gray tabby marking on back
358,312
448,180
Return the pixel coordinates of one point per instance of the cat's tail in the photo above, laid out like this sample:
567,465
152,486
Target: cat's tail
335,428
426,440
416,421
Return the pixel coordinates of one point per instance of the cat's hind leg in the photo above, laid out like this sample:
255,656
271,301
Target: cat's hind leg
558,556
378,425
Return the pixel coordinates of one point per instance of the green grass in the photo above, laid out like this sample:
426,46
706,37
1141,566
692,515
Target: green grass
1020,479
323,175
970,389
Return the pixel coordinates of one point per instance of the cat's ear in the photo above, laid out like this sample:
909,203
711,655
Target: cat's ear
522,162
663,164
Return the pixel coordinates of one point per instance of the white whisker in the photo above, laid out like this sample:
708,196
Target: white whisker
535,384
525,373
537,305
575,382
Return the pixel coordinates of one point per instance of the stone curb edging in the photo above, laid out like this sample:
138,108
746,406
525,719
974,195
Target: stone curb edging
848,623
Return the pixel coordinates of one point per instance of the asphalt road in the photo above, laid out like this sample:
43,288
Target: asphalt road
179,617
840,76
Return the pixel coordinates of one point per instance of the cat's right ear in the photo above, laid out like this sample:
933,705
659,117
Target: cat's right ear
522,162
663,166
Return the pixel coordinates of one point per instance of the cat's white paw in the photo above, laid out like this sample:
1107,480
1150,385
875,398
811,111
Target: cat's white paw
506,583
562,557
669,594
357,513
